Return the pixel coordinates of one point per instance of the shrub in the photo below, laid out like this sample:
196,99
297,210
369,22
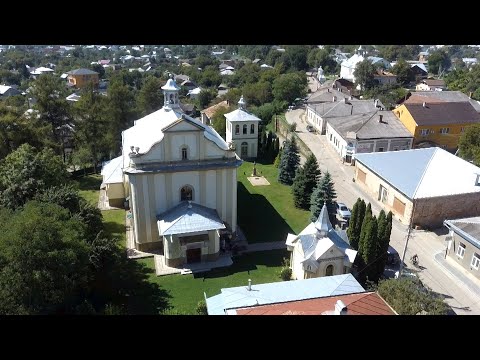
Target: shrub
286,274
201,308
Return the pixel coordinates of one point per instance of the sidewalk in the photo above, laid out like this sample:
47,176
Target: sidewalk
457,273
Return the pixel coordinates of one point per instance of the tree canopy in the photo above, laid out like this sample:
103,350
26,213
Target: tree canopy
469,144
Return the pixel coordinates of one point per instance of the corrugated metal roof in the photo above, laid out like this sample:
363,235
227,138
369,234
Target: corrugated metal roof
368,126
357,304
241,115
423,173
188,217
262,294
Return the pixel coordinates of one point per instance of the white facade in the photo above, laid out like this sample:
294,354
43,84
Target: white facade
242,131
168,159
315,119
319,250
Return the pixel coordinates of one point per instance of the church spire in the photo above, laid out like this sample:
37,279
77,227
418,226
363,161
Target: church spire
170,94
323,224
241,103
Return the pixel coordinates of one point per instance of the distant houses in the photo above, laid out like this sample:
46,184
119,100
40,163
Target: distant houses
81,77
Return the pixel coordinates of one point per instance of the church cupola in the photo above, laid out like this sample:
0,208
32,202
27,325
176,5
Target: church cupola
242,104
323,224
170,94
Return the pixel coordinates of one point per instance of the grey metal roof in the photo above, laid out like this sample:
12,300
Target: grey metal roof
342,108
326,95
270,293
323,222
368,126
188,217
81,72
468,228
407,172
241,115
186,166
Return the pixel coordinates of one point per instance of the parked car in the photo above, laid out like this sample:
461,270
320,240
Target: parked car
393,257
343,212
310,128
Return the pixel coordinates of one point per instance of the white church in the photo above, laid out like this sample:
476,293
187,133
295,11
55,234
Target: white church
320,250
242,131
180,179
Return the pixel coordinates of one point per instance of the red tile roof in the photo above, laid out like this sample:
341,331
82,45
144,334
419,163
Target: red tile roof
368,303
212,109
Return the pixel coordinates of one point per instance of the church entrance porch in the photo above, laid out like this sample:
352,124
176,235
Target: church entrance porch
194,255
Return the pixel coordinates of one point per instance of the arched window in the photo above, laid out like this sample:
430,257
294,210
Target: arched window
237,129
252,129
329,270
244,129
186,193
184,153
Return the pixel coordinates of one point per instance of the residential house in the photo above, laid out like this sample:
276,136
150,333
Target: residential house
376,131
383,77
366,303
326,95
193,94
463,243
180,180
6,91
419,70
379,62
344,85
81,77
207,114
424,186
418,97
431,85
242,130
423,56
318,113
437,123
241,297
222,90
188,84
320,250
470,61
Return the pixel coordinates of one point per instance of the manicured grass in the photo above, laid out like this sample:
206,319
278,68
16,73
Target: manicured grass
114,220
89,187
187,290
267,213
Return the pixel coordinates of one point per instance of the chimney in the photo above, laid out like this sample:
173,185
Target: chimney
376,102
328,90
249,284
380,118
424,104
228,102
340,308
351,110
334,98
477,180
351,97
470,95
137,149
345,100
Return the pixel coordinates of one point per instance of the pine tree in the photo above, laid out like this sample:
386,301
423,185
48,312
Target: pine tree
384,233
323,192
278,158
289,163
358,225
352,236
380,251
305,182
276,146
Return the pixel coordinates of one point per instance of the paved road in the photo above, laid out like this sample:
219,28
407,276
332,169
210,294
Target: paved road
425,244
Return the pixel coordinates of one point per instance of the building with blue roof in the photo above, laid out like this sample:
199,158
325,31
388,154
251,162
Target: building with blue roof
320,250
230,299
421,186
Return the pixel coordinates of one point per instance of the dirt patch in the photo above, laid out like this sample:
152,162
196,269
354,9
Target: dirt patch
258,181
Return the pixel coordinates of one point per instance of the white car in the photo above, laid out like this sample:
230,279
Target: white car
343,211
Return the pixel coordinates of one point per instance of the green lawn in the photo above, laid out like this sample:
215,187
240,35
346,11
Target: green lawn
186,291
89,187
114,220
267,213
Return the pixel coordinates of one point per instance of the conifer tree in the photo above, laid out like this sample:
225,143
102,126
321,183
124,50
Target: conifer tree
352,236
305,182
323,192
289,162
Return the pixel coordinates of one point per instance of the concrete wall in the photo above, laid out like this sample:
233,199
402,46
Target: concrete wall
470,250
431,212
115,191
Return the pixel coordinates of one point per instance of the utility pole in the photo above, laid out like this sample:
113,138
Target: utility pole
406,241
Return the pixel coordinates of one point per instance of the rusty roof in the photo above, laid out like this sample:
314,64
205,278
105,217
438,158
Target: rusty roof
368,303
212,109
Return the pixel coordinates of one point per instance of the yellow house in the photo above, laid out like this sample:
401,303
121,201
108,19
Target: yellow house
437,124
80,77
